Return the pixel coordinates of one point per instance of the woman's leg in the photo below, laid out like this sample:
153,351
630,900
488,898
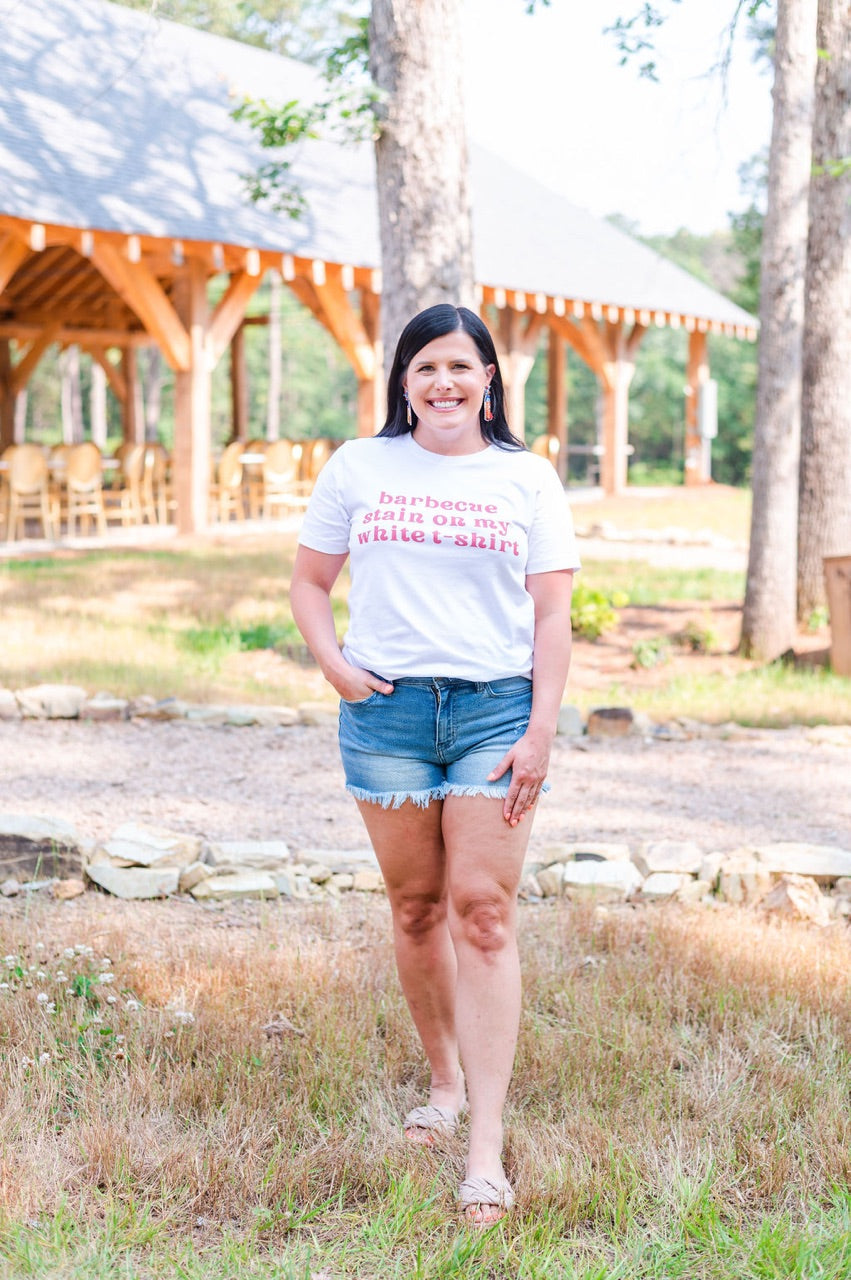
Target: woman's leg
408,843
484,858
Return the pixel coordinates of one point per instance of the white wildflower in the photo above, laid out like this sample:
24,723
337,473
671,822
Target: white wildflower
39,946
120,1039
106,963
111,1000
106,978
183,1017
41,975
61,977
43,1059
82,950
133,1005
26,1062
11,961
4,986
43,997
51,1008
69,953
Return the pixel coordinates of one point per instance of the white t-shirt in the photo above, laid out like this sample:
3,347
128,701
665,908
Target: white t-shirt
440,548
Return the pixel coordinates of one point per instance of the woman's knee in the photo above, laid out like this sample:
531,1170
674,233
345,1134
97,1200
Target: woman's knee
417,915
484,919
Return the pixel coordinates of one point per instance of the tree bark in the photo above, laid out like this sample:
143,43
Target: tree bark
768,622
824,512
71,398
421,159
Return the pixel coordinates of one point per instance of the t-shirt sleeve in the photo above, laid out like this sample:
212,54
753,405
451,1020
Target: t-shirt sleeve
552,541
327,519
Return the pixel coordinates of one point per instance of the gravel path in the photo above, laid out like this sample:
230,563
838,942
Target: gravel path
253,783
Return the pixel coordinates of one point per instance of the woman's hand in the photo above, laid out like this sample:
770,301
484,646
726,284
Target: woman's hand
528,760
354,684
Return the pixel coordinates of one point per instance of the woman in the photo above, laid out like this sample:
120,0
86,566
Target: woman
450,679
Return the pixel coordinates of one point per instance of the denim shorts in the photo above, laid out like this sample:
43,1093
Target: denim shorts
431,738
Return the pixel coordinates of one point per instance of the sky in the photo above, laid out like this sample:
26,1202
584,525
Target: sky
547,92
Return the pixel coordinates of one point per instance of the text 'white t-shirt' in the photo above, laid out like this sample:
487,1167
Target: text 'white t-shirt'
440,547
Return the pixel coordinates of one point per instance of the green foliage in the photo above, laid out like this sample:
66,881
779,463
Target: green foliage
697,639
653,652
593,611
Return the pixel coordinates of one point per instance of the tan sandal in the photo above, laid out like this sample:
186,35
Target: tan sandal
482,1193
430,1123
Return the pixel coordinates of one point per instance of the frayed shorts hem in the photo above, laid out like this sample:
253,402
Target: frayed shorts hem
422,799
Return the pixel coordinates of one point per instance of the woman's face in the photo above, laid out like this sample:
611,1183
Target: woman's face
446,382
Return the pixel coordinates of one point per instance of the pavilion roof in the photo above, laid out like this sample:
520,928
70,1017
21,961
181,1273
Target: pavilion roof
116,120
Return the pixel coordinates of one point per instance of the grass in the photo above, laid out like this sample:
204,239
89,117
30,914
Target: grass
679,1108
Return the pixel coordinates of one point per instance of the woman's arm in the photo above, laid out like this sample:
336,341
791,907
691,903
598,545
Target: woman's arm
529,757
314,574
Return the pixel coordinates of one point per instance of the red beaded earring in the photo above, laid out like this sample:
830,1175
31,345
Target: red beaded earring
488,405
408,408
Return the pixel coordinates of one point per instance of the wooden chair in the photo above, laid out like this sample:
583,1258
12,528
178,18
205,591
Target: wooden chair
84,487
226,489
547,447
124,503
281,486
253,476
5,458
29,490
156,484
314,456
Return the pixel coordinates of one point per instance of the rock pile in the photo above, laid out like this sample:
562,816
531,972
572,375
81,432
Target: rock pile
807,881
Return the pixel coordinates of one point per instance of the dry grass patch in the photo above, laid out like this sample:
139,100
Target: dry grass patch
233,1091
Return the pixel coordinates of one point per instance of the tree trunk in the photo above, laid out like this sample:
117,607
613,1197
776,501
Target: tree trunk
421,160
273,401
152,391
824,512
71,398
97,405
768,623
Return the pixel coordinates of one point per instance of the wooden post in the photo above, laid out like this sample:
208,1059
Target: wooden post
371,391
97,405
132,419
192,402
696,462
557,398
7,396
238,386
517,344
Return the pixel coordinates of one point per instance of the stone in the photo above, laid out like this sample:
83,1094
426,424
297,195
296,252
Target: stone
135,882
104,707
285,883
209,715
585,851
602,881
10,888
798,897
343,881
838,735
551,880
660,885
164,709
842,888
318,873
710,868
743,879
824,862
33,846
143,846
316,713
242,884
693,891
570,723
610,722
193,874
249,855
530,886
265,717
368,881
339,859
72,887
680,856
9,709
51,701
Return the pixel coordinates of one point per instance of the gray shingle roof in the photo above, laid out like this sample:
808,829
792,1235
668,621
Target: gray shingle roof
114,119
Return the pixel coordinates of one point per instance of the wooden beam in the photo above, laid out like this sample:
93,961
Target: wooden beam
7,396
238,386
143,293
330,304
108,337
577,338
192,403
20,374
13,252
132,422
697,469
557,397
114,375
230,311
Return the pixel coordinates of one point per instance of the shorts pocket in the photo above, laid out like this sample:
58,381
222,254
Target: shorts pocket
509,688
363,702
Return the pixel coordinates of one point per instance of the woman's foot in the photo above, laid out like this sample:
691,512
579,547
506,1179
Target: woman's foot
439,1118
485,1200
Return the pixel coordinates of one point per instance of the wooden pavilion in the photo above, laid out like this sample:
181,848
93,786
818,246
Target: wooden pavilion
123,198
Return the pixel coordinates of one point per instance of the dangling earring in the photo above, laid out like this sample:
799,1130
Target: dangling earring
408,408
488,405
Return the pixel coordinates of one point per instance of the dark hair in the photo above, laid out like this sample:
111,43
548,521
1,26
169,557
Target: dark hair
436,322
